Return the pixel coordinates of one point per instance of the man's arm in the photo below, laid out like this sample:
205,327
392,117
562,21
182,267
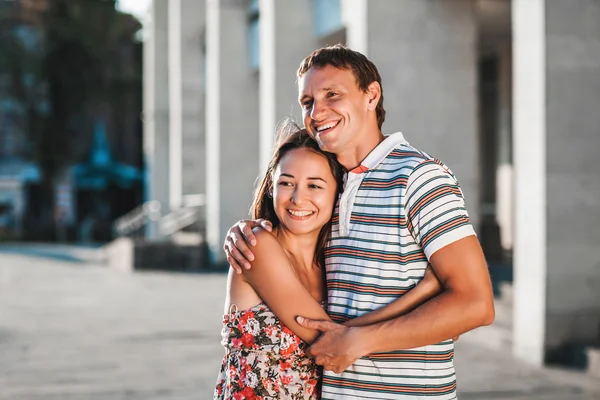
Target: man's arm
466,303
429,287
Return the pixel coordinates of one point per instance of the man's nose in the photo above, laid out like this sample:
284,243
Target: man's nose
316,112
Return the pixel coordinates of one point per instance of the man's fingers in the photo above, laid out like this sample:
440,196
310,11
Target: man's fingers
240,259
266,225
233,263
309,352
319,325
229,251
242,248
321,360
455,338
246,228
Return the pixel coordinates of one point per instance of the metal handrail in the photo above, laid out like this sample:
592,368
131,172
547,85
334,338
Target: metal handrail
184,216
149,211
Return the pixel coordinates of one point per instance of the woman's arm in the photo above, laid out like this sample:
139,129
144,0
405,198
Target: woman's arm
429,287
273,278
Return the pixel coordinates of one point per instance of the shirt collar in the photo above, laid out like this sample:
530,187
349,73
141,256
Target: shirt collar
379,153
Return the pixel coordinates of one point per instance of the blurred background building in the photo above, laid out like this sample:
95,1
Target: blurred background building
70,134
504,91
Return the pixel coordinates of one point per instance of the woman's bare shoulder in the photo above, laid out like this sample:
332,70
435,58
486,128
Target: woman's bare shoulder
265,242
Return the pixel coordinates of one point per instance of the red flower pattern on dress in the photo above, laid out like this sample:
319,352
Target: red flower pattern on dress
248,340
264,360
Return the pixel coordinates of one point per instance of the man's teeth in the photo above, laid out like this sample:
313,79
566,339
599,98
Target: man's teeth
327,126
300,213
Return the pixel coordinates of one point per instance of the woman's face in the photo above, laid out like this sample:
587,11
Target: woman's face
304,191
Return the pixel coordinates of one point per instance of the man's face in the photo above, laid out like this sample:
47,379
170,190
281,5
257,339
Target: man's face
334,109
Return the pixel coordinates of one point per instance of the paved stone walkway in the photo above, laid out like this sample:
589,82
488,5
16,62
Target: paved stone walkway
70,330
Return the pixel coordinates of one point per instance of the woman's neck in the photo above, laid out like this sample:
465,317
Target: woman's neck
300,248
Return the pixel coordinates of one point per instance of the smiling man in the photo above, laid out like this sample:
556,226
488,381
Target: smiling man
401,210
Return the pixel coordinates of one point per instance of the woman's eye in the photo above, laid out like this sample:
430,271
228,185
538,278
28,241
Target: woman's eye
314,186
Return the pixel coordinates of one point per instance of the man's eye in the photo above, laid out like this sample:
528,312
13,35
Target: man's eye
306,104
331,94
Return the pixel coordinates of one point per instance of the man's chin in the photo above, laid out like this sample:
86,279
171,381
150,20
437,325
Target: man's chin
329,147
325,145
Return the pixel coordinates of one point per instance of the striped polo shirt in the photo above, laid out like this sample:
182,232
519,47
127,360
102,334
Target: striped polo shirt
397,209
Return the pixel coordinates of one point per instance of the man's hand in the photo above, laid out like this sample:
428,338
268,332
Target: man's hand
337,348
237,240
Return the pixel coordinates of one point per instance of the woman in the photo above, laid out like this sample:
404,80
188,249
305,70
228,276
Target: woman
264,344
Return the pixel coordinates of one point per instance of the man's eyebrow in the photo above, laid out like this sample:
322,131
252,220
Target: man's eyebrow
323,89
304,97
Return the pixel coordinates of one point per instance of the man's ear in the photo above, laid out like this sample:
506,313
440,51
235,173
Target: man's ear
374,93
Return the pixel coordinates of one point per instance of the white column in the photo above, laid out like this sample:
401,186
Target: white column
282,49
156,109
267,84
529,158
231,120
186,98
213,126
354,17
175,104
572,80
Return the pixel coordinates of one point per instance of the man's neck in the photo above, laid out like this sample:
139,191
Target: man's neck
357,152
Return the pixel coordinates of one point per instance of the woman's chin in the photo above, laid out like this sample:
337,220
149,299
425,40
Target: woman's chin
299,229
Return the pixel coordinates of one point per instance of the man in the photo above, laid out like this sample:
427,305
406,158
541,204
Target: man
401,210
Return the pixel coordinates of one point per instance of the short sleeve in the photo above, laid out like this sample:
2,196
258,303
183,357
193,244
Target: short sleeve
436,212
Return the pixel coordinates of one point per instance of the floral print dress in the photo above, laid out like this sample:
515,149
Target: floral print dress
264,359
